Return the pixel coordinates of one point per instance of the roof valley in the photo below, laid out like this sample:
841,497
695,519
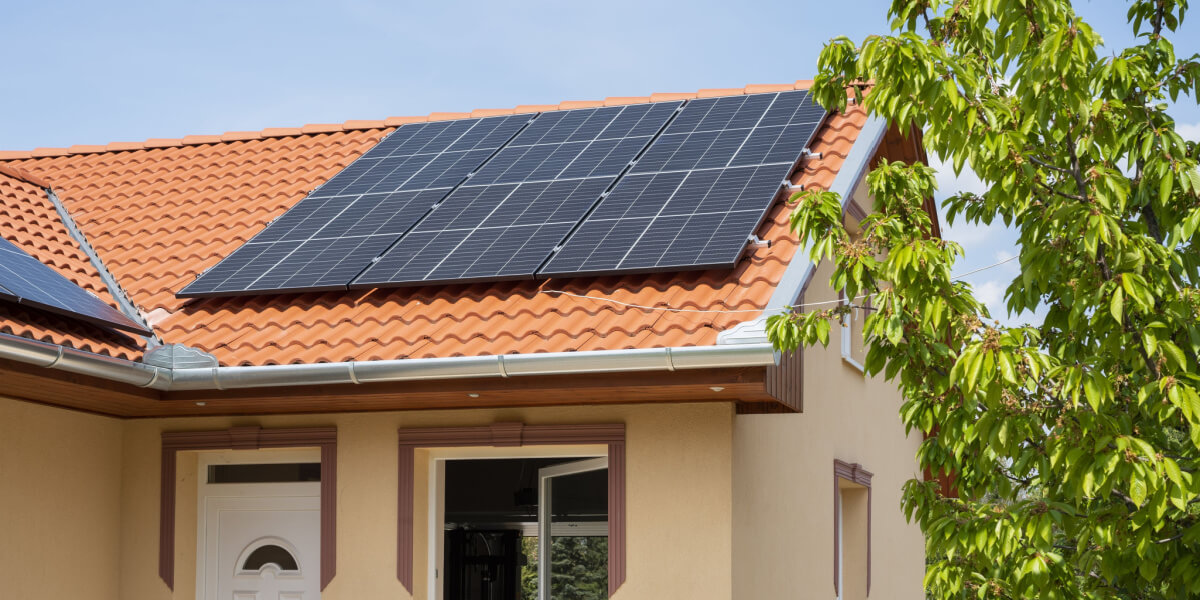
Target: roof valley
118,293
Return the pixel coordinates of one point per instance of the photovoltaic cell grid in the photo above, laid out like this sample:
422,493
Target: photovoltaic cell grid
505,221
25,280
331,235
699,192
495,198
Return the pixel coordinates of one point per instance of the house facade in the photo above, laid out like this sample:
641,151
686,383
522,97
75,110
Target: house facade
630,435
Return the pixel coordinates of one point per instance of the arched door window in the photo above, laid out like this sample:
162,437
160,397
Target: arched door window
264,553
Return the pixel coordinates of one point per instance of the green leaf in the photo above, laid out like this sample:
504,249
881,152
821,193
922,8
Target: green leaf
1164,188
1137,491
1117,305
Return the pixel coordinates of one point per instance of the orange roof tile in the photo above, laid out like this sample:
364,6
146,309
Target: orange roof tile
160,213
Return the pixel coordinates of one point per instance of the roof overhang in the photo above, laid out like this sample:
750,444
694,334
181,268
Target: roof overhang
723,373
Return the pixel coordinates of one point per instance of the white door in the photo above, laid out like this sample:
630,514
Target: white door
259,541
264,548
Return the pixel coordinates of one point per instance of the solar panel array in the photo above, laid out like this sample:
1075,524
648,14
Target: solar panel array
646,187
25,280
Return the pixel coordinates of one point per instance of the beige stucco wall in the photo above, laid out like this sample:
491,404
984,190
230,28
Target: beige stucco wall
60,498
679,498
783,480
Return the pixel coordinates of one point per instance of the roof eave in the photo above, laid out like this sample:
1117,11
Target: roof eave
52,356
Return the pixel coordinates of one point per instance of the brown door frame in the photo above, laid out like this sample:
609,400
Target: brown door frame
249,438
510,435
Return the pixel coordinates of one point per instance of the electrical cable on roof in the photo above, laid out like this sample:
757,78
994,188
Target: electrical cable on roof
751,310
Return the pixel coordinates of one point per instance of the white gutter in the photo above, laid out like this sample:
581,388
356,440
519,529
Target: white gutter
52,356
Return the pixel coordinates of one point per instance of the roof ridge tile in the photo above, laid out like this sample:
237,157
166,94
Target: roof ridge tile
314,128
24,175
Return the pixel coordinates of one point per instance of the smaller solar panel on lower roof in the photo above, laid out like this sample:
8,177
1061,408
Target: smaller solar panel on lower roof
25,280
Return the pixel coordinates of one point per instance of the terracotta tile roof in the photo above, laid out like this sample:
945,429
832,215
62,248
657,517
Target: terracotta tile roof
162,211
28,219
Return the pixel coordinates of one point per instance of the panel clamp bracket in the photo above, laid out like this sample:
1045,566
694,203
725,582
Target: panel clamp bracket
810,154
756,242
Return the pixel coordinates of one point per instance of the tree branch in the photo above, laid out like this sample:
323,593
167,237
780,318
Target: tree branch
1042,163
1058,193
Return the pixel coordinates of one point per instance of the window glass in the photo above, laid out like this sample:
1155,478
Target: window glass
264,473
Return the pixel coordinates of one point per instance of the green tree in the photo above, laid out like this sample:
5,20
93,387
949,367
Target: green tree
579,569
1074,444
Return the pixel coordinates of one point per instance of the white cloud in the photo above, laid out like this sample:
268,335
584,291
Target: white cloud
1189,131
949,184
972,235
991,293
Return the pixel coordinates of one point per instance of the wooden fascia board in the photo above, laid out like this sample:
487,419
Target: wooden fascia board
745,386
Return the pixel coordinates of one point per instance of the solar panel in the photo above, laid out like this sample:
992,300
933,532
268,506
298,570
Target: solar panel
333,234
647,187
699,191
505,221
25,280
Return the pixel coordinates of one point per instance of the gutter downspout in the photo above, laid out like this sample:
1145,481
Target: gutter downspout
46,355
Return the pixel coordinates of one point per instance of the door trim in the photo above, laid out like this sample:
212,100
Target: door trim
512,435
248,438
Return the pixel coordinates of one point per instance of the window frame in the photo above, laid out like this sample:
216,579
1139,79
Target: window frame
853,473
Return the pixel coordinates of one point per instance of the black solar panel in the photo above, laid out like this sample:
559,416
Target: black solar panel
25,280
333,234
505,221
699,191
657,186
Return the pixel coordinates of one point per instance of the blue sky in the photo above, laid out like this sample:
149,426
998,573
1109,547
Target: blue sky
93,73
